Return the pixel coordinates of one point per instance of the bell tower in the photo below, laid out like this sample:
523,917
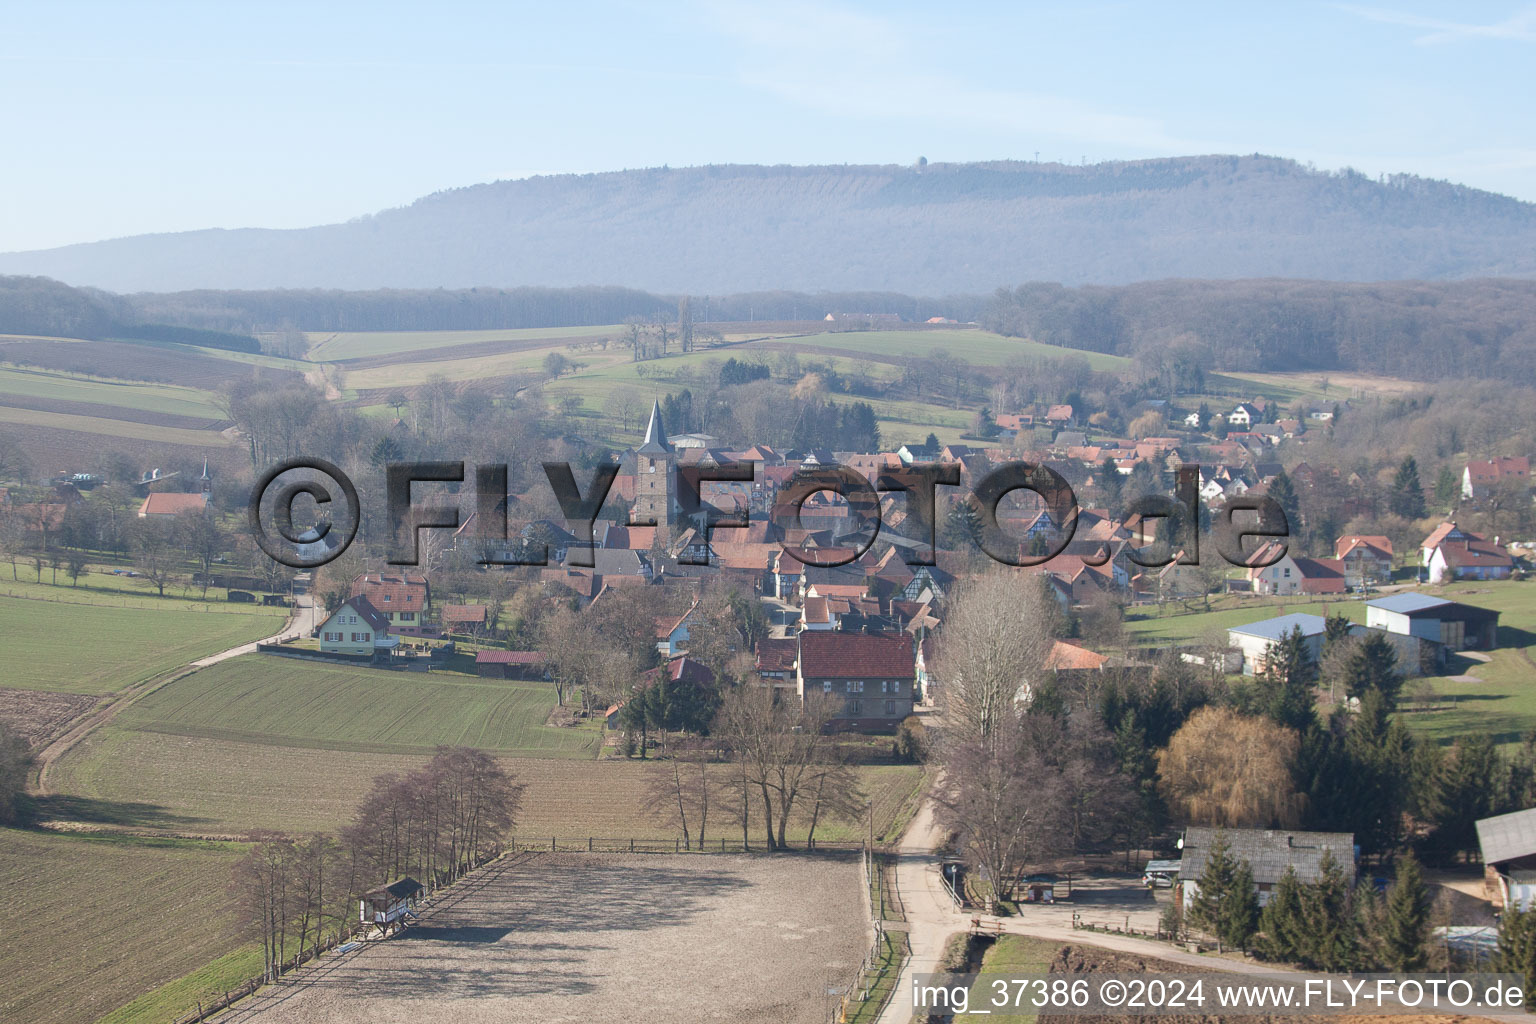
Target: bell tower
655,498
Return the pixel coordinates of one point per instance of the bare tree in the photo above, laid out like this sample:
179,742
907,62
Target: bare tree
154,556
994,648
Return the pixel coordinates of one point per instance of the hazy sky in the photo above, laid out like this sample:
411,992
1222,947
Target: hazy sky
124,118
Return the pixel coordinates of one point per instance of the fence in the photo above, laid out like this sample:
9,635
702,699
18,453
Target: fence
217,1001
593,844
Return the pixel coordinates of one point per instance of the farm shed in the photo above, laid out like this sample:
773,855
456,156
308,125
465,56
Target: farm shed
511,664
388,903
1508,844
1269,852
1457,626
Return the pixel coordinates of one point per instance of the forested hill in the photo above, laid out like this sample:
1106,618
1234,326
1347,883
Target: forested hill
935,229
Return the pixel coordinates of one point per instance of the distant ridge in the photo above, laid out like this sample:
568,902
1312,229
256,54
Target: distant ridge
941,228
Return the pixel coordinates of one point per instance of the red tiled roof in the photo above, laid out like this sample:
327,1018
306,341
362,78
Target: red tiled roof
777,654
464,613
393,592
171,503
1064,655
1344,545
856,655
1475,553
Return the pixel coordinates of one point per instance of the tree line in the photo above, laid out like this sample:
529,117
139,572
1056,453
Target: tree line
435,824
1424,331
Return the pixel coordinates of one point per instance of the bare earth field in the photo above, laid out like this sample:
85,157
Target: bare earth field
562,939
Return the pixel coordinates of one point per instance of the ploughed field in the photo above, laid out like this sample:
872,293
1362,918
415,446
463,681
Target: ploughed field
600,938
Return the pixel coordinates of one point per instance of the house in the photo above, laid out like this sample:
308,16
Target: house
1256,638
681,669
403,597
1458,627
464,618
1481,478
1508,844
1367,559
871,676
169,504
359,630
511,664
1451,553
1293,574
672,632
1192,420
1245,415
390,903
1269,853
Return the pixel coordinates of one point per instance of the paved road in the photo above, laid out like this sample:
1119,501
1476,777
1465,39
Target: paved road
303,619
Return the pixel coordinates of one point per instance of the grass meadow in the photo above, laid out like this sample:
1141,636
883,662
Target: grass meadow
287,702
71,647
215,786
163,398
330,346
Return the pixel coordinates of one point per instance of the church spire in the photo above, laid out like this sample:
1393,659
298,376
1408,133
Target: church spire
655,442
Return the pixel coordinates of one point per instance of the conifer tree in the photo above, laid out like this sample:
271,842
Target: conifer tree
1517,947
1287,677
1405,933
1281,922
1407,492
1328,921
1225,904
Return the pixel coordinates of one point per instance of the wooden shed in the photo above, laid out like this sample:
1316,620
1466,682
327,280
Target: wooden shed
389,903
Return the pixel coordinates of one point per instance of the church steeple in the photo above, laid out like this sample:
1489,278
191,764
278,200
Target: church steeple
655,442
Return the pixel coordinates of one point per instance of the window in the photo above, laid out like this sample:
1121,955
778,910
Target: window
855,707
890,709
333,637
1287,574
407,616
826,687
856,686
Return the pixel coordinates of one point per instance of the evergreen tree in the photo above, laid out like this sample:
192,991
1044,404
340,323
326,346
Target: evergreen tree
1517,947
1328,921
1283,491
1110,481
1287,676
1470,782
1282,924
1377,754
1225,904
1372,665
1240,909
1447,489
1407,492
1405,934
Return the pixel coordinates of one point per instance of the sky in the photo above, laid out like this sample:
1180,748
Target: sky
126,118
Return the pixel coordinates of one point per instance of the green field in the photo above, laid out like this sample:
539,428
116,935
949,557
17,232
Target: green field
221,787
1147,627
408,374
981,348
69,647
329,346
287,702
100,921
166,398
108,427
1503,703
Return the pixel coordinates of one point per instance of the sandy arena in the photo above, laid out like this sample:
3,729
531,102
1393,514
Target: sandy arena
595,938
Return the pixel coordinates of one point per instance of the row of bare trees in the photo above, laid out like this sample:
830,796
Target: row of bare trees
435,823
767,763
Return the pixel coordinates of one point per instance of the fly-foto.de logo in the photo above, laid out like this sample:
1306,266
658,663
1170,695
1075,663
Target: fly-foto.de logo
338,513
